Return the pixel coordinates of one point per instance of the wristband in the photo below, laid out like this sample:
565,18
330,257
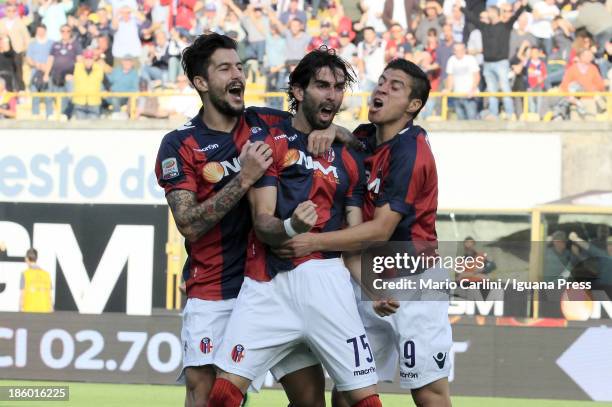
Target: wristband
289,229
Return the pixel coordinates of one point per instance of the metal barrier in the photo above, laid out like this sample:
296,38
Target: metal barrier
253,98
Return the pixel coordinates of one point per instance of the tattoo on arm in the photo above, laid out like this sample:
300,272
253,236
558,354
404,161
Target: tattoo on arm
194,218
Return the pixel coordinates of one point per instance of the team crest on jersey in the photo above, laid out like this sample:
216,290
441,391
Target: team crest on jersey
330,155
255,130
206,345
169,168
238,353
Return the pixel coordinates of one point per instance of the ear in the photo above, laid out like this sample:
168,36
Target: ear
200,84
413,106
298,93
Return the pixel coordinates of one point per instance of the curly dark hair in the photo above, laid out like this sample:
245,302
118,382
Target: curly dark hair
196,57
310,65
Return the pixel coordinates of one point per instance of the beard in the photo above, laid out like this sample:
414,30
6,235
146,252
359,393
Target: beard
311,113
223,106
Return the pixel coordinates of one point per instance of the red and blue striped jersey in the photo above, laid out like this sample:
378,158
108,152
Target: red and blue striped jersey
402,173
332,182
202,160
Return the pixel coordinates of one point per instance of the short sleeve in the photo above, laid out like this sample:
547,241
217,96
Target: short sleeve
174,168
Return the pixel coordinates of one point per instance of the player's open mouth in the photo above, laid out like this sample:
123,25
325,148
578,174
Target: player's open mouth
236,90
326,112
377,104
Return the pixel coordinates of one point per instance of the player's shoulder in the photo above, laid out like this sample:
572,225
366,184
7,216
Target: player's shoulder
266,115
178,135
365,130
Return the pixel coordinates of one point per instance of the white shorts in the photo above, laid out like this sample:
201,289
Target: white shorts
204,324
418,337
313,305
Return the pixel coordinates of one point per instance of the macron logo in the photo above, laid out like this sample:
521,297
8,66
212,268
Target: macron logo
207,148
186,126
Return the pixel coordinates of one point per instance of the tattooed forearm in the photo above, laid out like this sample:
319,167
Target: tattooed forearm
194,218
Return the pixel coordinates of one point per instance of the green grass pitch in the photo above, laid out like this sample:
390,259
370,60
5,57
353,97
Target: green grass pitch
120,395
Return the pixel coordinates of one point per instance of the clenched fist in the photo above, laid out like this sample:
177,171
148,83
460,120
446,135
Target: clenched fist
304,217
255,158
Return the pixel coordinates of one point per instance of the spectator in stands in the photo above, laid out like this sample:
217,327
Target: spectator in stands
584,40
126,41
536,75
36,286
22,10
519,35
88,77
293,13
544,11
562,38
557,257
123,78
155,71
54,16
400,11
210,20
7,63
347,49
594,16
457,22
296,39
373,16
159,15
257,25
496,39
397,43
445,49
104,23
63,58
102,48
8,104
13,26
433,19
185,13
472,270
80,26
274,67
38,58
583,75
232,23
371,53
339,20
324,38
463,76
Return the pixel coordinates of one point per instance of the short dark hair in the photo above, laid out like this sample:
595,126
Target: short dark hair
196,57
311,64
419,82
32,255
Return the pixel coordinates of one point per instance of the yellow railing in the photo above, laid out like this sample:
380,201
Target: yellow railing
254,98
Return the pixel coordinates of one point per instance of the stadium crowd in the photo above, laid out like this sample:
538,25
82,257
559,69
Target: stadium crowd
465,46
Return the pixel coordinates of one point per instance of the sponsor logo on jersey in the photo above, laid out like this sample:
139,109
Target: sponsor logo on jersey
409,375
169,168
238,353
363,372
440,358
206,345
207,148
214,171
298,157
280,137
373,184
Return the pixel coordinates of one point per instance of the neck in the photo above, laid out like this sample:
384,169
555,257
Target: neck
300,123
385,132
218,121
